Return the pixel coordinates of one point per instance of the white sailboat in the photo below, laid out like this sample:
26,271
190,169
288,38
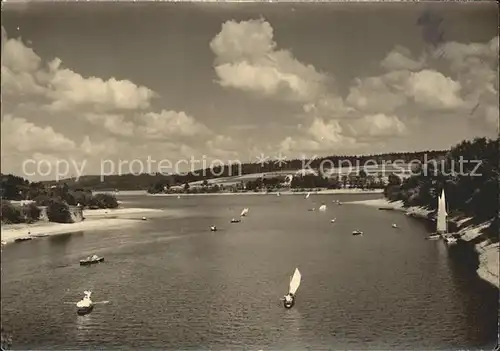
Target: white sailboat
295,282
289,299
244,212
441,224
442,221
85,305
322,208
307,195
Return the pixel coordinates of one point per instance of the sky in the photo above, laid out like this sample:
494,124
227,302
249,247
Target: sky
90,82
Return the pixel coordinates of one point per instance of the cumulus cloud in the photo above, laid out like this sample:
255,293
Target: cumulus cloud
434,90
400,59
118,109
20,135
67,89
374,94
171,124
223,146
247,58
23,73
113,123
378,125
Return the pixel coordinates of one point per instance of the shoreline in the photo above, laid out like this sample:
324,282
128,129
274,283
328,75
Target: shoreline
100,219
287,192
488,253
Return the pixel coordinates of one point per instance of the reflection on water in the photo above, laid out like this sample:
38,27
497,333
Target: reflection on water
176,285
83,322
63,239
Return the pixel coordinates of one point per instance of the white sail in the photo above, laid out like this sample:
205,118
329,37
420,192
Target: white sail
322,208
307,196
441,224
244,212
86,301
295,282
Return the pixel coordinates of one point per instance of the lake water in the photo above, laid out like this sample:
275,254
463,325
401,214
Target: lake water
173,284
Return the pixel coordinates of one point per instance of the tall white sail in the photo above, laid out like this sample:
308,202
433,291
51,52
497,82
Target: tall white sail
322,208
441,223
307,195
295,281
244,212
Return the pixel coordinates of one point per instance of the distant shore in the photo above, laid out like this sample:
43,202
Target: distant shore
488,253
94,220
287,192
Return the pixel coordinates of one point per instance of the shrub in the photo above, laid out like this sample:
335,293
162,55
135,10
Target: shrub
42,200
11,213
84,198
104,201
31,212
58,211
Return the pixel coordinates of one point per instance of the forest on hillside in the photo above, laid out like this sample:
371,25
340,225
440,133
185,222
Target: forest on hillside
468,173
145,181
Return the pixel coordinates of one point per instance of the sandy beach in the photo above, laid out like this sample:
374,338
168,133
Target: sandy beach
320,192
95,220
488,253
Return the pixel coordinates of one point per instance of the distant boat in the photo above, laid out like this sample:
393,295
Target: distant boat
26,238
289,299
234,220
244,212
178,196
333,220
307,195
213,228
91,260
278,194
357,232
322,208
85,305
312,209
394,225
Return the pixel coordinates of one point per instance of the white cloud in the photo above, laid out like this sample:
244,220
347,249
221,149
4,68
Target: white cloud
321,136
22,73
400,59
247,59
378,125
113,123
170,124
68,89
223,146
375,95
434,90
20,135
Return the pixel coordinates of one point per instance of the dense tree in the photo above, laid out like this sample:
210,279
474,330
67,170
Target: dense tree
468,173
11,213
58,211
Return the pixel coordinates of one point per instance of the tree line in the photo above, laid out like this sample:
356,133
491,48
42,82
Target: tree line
148,181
